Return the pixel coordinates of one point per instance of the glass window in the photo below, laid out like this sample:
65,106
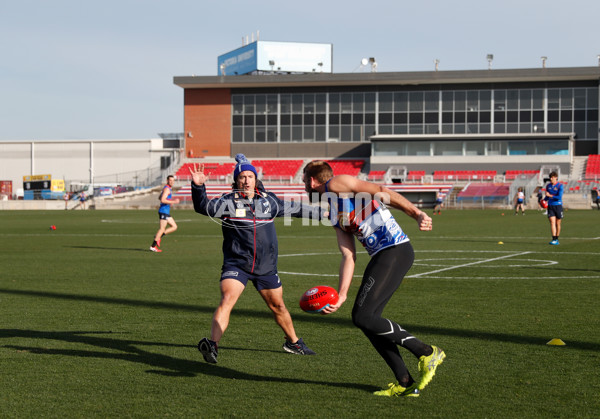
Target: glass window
334,103
320,133
286,104
499,128
296,134
358,103
418,148
248,104
566,98
309,133
537,98
447,101
460,101
385,118
261,104
285,134
334,132
496,148
592,98
472,100
447,148
416,118
369,102
248,134
553,98
385,102
512,128
261,135
272,104
400,102
525,99
238,134
321,103
432,101
512,99
296,104
346,102
517,148
238,104
500,100
309,103
485,100
475,148
416,101
579,98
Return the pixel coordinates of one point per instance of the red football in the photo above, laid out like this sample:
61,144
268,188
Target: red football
544,203
317,298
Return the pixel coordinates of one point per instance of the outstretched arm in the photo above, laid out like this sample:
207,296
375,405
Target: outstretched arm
350,184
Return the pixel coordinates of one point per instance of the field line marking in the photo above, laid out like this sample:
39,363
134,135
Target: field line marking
468,264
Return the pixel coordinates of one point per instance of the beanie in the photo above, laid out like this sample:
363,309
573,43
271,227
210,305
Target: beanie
242,165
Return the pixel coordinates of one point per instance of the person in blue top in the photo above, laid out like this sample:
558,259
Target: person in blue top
356,209
554,194
250,249
164,214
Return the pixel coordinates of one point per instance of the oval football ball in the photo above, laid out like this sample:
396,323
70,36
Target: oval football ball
317,298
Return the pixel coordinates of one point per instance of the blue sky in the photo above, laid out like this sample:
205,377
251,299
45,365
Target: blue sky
77,69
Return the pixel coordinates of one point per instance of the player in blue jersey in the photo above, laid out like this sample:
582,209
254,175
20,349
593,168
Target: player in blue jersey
554,194
164,214
356,209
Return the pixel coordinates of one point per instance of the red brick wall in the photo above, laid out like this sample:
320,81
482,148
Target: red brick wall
207,122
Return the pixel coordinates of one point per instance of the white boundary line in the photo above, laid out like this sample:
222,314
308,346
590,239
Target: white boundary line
467,264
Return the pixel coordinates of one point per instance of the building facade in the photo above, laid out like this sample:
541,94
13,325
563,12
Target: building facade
545,115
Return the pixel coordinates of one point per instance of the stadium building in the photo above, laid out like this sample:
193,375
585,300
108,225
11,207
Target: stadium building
500,119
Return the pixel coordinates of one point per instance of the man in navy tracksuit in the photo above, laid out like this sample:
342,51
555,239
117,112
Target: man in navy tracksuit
249,249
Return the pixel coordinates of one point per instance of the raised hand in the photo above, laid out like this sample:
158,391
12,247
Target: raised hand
198,175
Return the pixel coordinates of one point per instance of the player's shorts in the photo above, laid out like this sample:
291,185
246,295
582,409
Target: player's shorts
163,216
261,282
519,201
555,211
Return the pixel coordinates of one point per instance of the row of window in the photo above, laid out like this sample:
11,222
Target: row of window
356,116
469,148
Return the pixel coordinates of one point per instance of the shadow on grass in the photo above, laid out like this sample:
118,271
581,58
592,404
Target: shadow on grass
131,351
415,329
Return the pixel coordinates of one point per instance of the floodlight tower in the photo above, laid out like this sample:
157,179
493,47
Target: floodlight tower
436,62
544,58
490,58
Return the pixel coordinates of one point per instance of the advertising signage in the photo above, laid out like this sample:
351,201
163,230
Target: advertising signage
281,57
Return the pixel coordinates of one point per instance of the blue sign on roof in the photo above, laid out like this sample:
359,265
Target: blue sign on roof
240,61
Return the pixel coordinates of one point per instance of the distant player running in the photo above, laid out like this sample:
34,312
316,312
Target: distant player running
520,202
356,210
554,194
164,214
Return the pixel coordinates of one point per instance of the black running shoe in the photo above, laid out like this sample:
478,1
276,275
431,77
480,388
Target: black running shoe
209,350
298,348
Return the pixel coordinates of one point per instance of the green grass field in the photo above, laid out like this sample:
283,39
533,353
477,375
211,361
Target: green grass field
95,325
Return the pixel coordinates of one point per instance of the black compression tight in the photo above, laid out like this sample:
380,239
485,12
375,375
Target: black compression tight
381,279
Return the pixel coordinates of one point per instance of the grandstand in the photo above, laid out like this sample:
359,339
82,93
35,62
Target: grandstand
592,170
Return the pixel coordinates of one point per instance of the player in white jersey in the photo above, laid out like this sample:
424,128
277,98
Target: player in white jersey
356,210
520,202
